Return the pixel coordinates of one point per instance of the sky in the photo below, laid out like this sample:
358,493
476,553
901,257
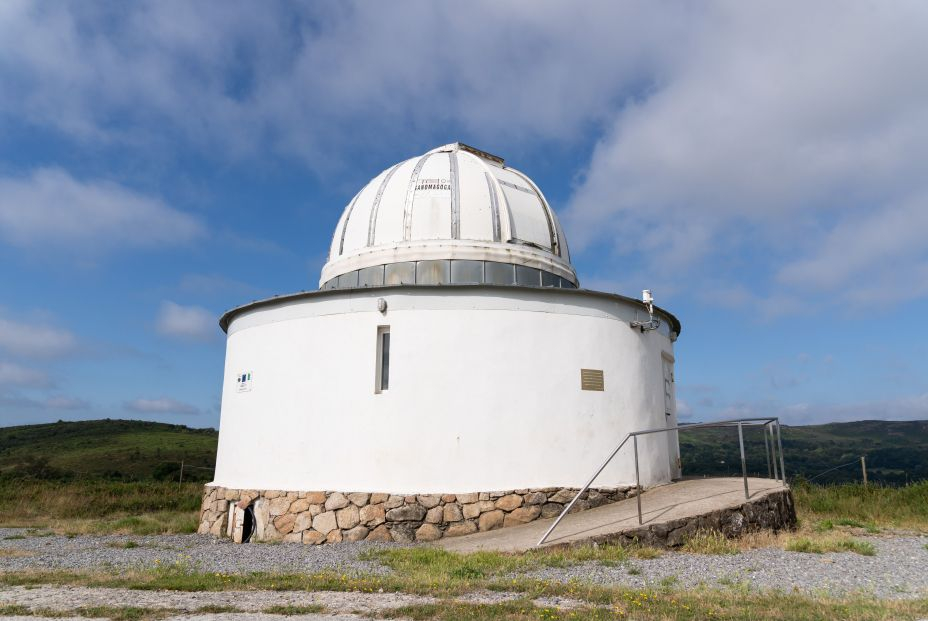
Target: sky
761,166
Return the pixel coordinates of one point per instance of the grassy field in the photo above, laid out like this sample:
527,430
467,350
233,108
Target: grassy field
110,449
832,519
864,506
99,506
141,507
121,477
897,452
116,476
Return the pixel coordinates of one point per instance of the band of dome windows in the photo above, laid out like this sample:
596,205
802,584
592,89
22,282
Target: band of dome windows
448,272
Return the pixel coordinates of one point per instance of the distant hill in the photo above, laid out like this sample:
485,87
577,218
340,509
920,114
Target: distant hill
135,450
896,451
116,449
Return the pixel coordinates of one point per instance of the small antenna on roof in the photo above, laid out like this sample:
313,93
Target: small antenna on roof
653,323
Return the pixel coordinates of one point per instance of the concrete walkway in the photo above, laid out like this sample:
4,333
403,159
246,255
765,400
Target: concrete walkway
658,505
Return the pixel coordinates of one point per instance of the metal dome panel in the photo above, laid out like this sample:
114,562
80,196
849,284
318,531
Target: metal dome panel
453,203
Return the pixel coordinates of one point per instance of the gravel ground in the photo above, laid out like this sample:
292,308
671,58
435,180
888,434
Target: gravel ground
69,598
199,552
250,604
898,570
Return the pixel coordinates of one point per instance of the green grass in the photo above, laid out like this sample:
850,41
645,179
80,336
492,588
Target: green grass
437,566
649,605
137,508
594,602
645,552
114,613
294,610
822,526
216,609
14,610
870,507
443,569
821,545
709,542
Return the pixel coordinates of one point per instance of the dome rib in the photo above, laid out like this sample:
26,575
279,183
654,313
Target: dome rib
455,197
494,205
411,196
546,208
372,224
347,217
468,208
494,191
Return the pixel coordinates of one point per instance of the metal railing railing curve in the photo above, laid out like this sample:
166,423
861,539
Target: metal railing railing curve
772,444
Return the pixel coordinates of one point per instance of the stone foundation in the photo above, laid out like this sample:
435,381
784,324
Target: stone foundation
774,511
332,517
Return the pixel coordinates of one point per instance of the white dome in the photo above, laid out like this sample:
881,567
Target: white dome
454,215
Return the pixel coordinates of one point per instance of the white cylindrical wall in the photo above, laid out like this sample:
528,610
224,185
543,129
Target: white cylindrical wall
484,392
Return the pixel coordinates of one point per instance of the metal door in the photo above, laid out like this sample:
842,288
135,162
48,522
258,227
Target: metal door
670,416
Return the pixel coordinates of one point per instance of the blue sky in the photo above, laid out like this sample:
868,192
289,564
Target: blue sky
760,166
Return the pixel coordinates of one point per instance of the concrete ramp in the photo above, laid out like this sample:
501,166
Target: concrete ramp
670,513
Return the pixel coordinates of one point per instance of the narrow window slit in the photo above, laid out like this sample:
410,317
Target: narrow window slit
383,359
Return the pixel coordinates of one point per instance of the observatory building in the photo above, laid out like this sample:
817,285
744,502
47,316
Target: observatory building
448,376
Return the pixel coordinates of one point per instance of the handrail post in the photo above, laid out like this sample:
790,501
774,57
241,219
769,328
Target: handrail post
767,452
637,480
744,466
780,445
773,450
580,493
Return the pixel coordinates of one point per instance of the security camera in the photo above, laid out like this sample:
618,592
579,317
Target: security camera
646,297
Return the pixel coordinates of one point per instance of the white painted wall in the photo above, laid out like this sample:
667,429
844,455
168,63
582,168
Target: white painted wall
484,392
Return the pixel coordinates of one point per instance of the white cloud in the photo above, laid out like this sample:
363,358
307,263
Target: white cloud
60,402
186,322
57,403
911,407
35,340
234,75
16,375
886,245
49,207
162,405
728,131
793,133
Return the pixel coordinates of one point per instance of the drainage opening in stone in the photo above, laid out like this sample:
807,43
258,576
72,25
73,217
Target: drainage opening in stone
248,524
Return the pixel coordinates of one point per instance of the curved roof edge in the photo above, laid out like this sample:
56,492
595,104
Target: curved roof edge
230,314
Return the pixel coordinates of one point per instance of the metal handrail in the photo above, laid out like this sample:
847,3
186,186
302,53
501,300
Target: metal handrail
773,448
